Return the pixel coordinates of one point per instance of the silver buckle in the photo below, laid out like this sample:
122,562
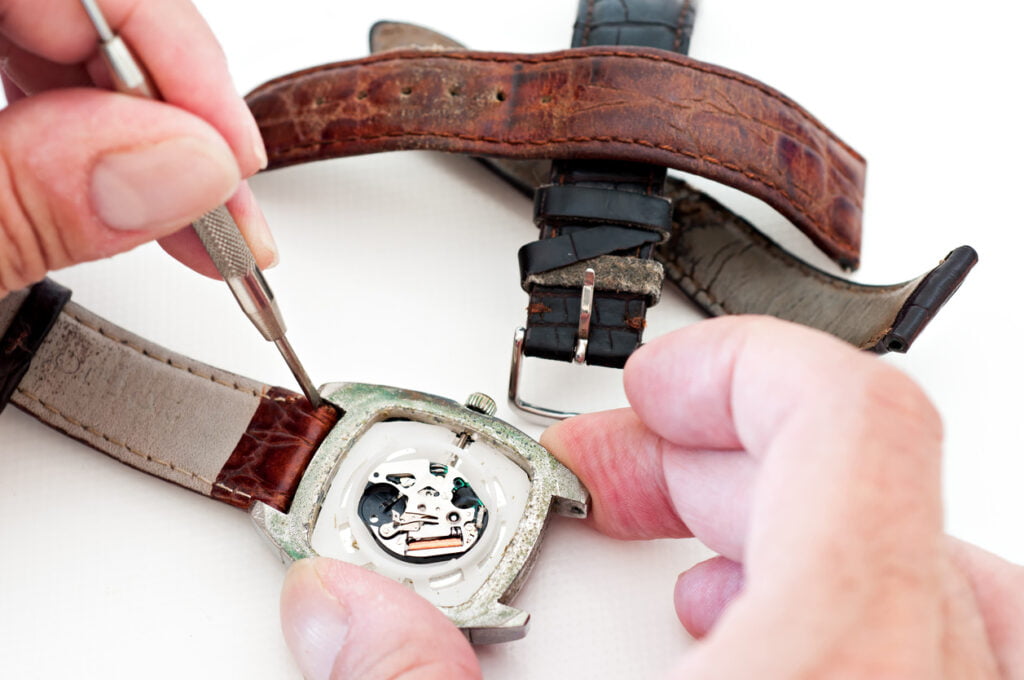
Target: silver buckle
580,355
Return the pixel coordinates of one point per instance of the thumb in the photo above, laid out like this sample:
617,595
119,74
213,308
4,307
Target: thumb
87,174
342,621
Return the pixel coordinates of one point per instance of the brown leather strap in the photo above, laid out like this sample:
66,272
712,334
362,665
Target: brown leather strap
269,460
628,104
210,431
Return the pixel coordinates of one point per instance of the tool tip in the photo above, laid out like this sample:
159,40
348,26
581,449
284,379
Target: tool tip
299,372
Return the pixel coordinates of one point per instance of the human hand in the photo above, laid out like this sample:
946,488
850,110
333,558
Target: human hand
811,468
814,470
86,174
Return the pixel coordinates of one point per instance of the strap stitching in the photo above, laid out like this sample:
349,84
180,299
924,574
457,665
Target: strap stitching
671,257
122,445
169,361
681,25
588,23
697,289
827,229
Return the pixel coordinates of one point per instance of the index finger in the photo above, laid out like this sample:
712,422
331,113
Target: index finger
742,383
169,37
745,430
848,447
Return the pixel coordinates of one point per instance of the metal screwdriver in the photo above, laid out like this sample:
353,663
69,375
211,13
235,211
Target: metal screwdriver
217,229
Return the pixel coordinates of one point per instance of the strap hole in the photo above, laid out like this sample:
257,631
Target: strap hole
499,95
362,94
406,91
546,99
454,92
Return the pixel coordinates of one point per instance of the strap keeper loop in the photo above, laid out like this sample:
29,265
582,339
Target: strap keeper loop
557,203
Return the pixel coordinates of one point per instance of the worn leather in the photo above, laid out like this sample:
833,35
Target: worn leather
269,460
611,272
27,327
726,266
395,35
594,102
585,196
616,321
622,311
166,414
558,252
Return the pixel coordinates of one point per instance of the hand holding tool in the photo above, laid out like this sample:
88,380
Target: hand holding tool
217,229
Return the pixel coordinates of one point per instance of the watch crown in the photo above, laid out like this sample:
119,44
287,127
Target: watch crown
481,403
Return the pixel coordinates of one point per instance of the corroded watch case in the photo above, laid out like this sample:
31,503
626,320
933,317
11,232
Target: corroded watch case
435,494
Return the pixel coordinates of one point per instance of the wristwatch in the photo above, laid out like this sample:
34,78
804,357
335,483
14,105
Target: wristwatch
441,496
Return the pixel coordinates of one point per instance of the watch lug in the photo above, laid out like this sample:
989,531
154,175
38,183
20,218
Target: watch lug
502,624
570,497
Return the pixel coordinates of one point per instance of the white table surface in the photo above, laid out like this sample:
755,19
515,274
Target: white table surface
400,269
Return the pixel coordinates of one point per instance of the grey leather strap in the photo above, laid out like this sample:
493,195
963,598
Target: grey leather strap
721,262
146,406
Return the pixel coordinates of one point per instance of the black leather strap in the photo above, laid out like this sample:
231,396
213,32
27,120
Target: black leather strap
665,24
927,299
584,195
579,203
26,332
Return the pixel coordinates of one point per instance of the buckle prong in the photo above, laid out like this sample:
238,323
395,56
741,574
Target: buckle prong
586,308
519,340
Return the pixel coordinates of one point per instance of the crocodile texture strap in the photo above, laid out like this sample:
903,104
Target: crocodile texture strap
665,24
593,188
726,266
592,102
215,433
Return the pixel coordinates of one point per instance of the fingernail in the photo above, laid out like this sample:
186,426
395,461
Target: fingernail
258,147
551,437
314,622
253,223
266,242
164,185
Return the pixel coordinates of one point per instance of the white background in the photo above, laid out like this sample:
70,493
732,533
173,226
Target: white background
400,269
